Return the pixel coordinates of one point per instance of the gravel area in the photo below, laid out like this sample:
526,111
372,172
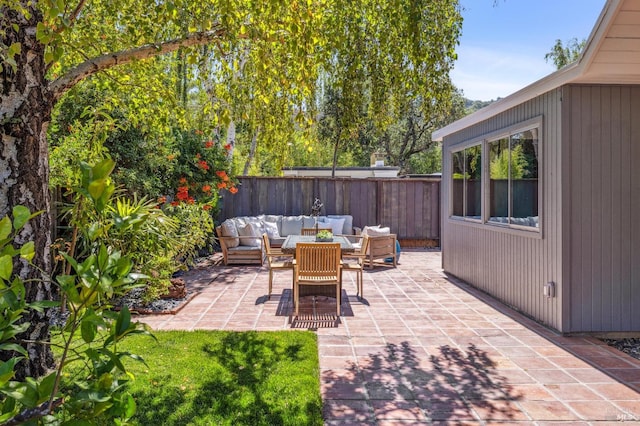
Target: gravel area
629,346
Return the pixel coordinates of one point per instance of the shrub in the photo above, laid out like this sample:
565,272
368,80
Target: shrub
92,333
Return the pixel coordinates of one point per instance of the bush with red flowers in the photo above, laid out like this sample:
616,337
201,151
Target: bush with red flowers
200,165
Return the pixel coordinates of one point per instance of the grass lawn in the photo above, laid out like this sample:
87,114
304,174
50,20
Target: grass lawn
226,378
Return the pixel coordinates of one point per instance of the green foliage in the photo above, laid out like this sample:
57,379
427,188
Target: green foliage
473,106
426,162
98,390
324,234
499,165
195,230
8,52
133,226
15,396
159,241
262,75
150,162
94,119
384,58
563,55
83,139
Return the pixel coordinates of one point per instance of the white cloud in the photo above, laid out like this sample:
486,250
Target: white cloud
485,74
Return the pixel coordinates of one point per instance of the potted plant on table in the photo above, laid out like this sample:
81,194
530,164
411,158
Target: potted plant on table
324,235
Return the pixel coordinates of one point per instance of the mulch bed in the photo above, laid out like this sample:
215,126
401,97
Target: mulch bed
170,305
630,346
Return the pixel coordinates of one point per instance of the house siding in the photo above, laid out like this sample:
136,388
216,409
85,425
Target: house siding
510,265
602,270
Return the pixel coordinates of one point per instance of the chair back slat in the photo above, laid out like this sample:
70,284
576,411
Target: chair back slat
266,244
317,261
364,247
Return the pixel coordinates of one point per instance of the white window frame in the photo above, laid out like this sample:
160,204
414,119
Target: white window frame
484,140
466,146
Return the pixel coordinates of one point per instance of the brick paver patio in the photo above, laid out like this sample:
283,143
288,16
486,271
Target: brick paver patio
424,348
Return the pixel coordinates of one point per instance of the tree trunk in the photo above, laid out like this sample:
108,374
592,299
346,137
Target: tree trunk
231,138
252,151
336,146
25,112
26,101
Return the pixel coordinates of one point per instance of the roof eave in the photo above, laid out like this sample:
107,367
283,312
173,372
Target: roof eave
544,85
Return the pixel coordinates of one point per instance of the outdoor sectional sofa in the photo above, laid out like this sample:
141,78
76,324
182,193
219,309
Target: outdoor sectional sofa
240,237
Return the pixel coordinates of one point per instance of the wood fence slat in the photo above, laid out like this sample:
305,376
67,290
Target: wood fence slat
409,206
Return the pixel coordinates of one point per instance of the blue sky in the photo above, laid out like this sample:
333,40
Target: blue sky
502,47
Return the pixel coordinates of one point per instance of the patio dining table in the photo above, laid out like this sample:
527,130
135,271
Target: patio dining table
289,247
289,244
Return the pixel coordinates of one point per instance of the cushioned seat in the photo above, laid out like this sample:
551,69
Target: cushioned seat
246,231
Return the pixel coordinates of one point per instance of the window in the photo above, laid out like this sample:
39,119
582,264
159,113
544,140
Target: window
467,182
496,181
513,179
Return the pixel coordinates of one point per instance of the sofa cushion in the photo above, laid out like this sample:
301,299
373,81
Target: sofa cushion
374,231
273,218
244,249
347,227
308,221
249,230
243,220
277,242
229,229
336,225
271,228
291,225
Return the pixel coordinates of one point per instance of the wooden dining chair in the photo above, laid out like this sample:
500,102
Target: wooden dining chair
317,264
276,260
357,265
309,231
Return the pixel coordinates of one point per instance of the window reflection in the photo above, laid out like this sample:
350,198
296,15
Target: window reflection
467,182
473,189
524,178
499,180
457,161
513,177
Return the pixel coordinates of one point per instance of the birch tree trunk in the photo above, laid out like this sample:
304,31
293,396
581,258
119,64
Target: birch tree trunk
26,101
252,152
25,112
231,138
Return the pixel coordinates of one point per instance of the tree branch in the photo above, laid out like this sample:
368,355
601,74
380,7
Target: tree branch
76,11
73,16
34,413
92,66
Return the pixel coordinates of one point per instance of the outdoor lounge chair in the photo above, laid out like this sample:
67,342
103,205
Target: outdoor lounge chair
276,260
317,264
381,247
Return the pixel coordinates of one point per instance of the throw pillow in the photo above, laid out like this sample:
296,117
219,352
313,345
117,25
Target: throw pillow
336,225
271,228
291,225
249,230
228,229
374,231
347,228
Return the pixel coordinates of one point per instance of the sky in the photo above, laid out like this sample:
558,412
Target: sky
502,46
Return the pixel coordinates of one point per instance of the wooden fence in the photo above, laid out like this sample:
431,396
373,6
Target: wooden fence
409,206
